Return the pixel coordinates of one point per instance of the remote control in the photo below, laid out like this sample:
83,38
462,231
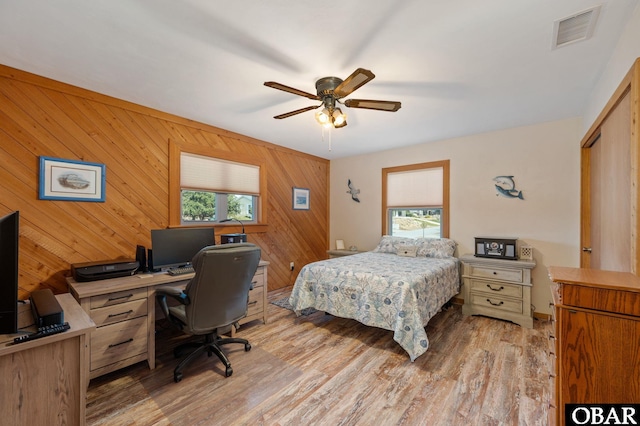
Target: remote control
47,330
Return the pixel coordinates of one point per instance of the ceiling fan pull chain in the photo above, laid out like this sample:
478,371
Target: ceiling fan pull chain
326,129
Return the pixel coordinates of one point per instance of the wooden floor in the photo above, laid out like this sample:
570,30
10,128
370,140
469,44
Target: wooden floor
322,370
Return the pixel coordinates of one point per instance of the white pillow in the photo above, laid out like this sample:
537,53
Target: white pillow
407,251
390,244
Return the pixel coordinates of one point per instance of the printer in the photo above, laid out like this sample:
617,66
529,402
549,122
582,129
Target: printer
102,270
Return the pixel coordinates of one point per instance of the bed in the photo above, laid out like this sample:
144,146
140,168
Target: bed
399,286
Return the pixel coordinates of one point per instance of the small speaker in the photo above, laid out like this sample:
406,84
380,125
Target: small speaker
526,252
150,261
141,257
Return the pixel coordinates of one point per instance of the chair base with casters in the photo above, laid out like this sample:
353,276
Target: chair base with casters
215,299
211,345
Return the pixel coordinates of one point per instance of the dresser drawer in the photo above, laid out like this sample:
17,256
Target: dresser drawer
495,288
117,297
514,275
497,303
119,341
119,312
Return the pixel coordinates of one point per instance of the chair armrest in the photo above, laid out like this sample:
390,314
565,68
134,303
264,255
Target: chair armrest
173,292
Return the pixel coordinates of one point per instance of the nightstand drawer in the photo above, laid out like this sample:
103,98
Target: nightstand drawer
514,275
119,312
497,303
497,289
115,342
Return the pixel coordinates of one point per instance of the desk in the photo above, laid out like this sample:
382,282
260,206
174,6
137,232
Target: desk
125,315
44,381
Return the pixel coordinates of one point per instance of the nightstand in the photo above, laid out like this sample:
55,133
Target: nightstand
340,253
498,288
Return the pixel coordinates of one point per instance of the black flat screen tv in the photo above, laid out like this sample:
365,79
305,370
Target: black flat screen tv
9,238
175,247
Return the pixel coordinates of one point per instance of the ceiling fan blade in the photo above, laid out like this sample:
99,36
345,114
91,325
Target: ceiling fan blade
279,86
354,81
391,106
298,111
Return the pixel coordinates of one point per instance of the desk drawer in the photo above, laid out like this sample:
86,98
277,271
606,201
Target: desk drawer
117,297
513,275
256,301
496,289
119,312
497,303
119,341
258,278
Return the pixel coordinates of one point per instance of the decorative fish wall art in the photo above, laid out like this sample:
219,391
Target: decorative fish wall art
506,186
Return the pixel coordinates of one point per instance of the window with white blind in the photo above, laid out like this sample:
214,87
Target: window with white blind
215,189
415,200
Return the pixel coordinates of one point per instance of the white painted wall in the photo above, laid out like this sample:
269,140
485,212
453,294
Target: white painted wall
545,162
626,52
544,158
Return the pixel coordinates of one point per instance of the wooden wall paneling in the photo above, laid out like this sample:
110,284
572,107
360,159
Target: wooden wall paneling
57,123
116,184
40,116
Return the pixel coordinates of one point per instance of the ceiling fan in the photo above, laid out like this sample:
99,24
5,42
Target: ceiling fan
330,90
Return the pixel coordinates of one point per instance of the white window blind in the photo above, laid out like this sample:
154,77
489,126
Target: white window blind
411,188
213,174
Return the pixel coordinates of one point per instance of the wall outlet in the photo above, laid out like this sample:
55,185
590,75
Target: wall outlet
291,266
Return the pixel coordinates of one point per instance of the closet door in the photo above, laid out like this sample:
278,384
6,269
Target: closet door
607,221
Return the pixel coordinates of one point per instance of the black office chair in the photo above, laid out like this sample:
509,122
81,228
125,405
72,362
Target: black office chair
215,298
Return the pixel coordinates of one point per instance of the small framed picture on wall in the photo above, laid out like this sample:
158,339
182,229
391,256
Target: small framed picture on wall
300,199
71,180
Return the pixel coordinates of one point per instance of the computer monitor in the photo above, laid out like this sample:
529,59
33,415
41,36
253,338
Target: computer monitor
9,238
175,247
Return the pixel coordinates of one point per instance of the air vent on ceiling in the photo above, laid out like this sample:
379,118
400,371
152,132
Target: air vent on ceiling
574,28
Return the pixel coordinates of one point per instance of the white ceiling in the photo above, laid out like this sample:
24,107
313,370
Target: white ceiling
459,67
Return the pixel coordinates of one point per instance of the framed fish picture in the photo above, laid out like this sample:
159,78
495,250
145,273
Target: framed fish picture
71,180
506,187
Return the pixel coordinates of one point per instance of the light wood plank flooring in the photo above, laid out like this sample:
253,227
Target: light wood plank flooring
322,370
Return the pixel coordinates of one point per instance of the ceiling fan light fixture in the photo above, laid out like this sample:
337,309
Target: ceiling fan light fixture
330,91
341,124
339,118
323,117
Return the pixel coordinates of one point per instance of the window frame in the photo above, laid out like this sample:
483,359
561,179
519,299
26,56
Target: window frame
444,217
175,188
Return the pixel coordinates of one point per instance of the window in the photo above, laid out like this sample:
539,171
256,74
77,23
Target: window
213,187
415,200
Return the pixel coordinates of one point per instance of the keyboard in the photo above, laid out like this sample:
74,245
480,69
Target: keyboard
45,331
181,270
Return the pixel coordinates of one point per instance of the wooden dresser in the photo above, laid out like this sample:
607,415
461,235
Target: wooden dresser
124,312
498,288
597,337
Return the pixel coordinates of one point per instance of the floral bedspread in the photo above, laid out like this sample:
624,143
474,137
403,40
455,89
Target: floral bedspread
382,290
